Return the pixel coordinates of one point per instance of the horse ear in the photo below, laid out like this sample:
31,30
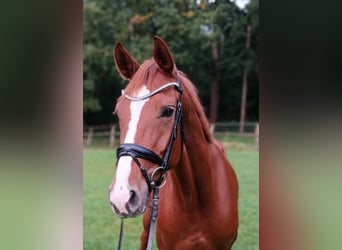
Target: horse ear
162,55
125,63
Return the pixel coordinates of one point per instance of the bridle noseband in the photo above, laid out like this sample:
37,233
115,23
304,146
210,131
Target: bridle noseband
158,176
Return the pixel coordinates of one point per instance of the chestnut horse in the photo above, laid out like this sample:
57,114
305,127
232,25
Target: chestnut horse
158,108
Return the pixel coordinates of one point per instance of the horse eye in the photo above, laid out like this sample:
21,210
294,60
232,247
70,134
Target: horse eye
166,112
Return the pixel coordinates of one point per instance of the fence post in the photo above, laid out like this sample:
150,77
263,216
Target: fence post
256,133
212,128
90,136
112,136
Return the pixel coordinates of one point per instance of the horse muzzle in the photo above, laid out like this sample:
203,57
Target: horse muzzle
127,204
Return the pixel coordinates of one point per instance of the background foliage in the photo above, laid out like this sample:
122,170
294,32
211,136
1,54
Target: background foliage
192,29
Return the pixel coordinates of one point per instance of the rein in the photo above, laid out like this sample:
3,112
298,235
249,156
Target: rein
158,177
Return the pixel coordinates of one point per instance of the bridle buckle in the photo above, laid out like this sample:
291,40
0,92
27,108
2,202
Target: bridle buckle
158,177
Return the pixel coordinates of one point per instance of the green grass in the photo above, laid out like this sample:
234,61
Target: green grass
101,226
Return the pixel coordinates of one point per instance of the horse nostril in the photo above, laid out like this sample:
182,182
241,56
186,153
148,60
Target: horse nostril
133,199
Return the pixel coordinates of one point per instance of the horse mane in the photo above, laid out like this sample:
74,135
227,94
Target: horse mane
147,74
192,91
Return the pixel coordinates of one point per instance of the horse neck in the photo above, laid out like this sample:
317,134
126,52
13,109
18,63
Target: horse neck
193,175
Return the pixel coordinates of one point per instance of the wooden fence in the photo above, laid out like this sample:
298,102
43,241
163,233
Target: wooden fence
101,134
109,134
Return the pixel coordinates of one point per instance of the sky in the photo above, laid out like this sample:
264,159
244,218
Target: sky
241,3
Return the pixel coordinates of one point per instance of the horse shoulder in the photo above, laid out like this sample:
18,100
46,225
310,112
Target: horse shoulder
219,145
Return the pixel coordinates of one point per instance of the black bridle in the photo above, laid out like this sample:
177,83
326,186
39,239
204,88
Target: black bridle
158,176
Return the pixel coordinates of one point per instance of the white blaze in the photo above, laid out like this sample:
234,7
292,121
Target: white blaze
120,193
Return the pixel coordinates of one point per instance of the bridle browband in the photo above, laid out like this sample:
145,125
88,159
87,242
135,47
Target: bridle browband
158,176
140,98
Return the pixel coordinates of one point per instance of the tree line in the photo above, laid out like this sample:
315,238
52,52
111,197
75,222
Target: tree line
215,43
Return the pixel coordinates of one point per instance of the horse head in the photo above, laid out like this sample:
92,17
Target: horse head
149,113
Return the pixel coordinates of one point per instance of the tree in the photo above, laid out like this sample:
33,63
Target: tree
104,23
206,39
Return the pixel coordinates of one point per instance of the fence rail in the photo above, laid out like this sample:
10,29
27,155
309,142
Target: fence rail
228,133
101,134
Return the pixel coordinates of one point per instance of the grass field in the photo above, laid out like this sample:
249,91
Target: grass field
101,226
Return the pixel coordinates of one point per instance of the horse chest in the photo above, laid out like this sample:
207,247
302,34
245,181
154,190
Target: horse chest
182,238
178,230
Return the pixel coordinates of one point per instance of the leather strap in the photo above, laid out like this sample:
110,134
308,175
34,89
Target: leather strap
153,222
153,218
137,151
121,235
